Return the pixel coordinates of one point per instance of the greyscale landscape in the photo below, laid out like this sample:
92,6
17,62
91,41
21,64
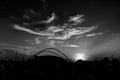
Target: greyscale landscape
48,39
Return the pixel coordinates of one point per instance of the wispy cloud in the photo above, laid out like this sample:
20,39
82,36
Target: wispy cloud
61,32
50,19
94,34
31,31
76,19
70,45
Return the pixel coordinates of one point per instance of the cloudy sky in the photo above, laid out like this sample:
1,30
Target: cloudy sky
74,27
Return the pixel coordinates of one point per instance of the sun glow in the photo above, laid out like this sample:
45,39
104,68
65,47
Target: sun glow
80,56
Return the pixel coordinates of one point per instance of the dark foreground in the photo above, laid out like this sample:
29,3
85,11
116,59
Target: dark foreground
54,68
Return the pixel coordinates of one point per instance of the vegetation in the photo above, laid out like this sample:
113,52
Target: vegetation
52,67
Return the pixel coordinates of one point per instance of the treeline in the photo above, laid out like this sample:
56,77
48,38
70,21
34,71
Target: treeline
7,54
51,67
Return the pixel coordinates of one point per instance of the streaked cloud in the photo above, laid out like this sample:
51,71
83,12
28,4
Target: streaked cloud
76,19
94,34
70,45
50,19
60,32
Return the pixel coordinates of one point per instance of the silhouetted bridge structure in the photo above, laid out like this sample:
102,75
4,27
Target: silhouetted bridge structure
52,50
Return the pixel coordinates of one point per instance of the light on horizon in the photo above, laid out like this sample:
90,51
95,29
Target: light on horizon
80,56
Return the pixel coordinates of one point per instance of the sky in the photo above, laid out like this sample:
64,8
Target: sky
80,27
